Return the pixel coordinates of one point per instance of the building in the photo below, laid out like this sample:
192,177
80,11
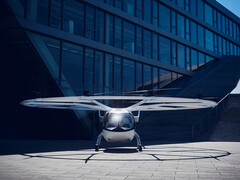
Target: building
68,47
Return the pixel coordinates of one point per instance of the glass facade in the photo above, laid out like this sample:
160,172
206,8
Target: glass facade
159,32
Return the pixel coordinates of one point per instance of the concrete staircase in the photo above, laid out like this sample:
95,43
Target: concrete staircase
215,79
169,125
228,126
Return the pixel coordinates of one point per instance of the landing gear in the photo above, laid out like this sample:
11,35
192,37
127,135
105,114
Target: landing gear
98,143
96,148
139,145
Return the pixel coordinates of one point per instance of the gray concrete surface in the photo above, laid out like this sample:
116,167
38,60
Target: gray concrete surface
77,160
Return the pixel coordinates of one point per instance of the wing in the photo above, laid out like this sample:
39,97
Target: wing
74,103
170,103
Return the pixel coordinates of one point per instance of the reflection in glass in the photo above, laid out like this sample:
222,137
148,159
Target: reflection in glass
181,55
155,46
99,69
147,43
129,6
139,8
117,75
55,14
72,67
164,50
201,59
164,17
147,10
118,32
128,75
99,26
209,40
109,29
139,45
108,73
73,17
128,36
147,77
194,59
155,77
89,25
200,36
38,11
180,26
165,78
208,14
139,77
88,73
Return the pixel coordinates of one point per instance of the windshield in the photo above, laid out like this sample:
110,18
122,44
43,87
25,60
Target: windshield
118,120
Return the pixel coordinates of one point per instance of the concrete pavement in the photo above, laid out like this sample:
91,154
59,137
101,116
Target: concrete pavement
77,160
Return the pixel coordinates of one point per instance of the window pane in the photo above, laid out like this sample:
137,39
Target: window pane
187,31
38,11
99,26
129,6
117,75
110,2
200,36
53,46
188,61
164,50
155,77
128,75
108,73
89,25
200,59
173,26
98,76
55,14
174,53
208,14
118,33
72,67
109,29
194,59
165,78
180,25
200,9
139,78
118,4
164,17
155,13
219,45
219,17
193,5
147,43
147,80
88,74
180,3
73,21
209,40
128,36
139,47
155,46
193,32
181,55
139,9
147,10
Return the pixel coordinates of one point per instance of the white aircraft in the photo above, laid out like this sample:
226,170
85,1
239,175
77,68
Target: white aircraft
119,123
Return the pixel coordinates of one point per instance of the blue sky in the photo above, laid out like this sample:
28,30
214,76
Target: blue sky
232,5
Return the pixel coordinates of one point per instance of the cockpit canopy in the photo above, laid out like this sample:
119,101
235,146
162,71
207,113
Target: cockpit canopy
118,120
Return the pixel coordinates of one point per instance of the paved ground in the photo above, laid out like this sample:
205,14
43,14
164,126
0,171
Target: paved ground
76,160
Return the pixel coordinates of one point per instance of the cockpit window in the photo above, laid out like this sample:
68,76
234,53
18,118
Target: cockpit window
124,121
